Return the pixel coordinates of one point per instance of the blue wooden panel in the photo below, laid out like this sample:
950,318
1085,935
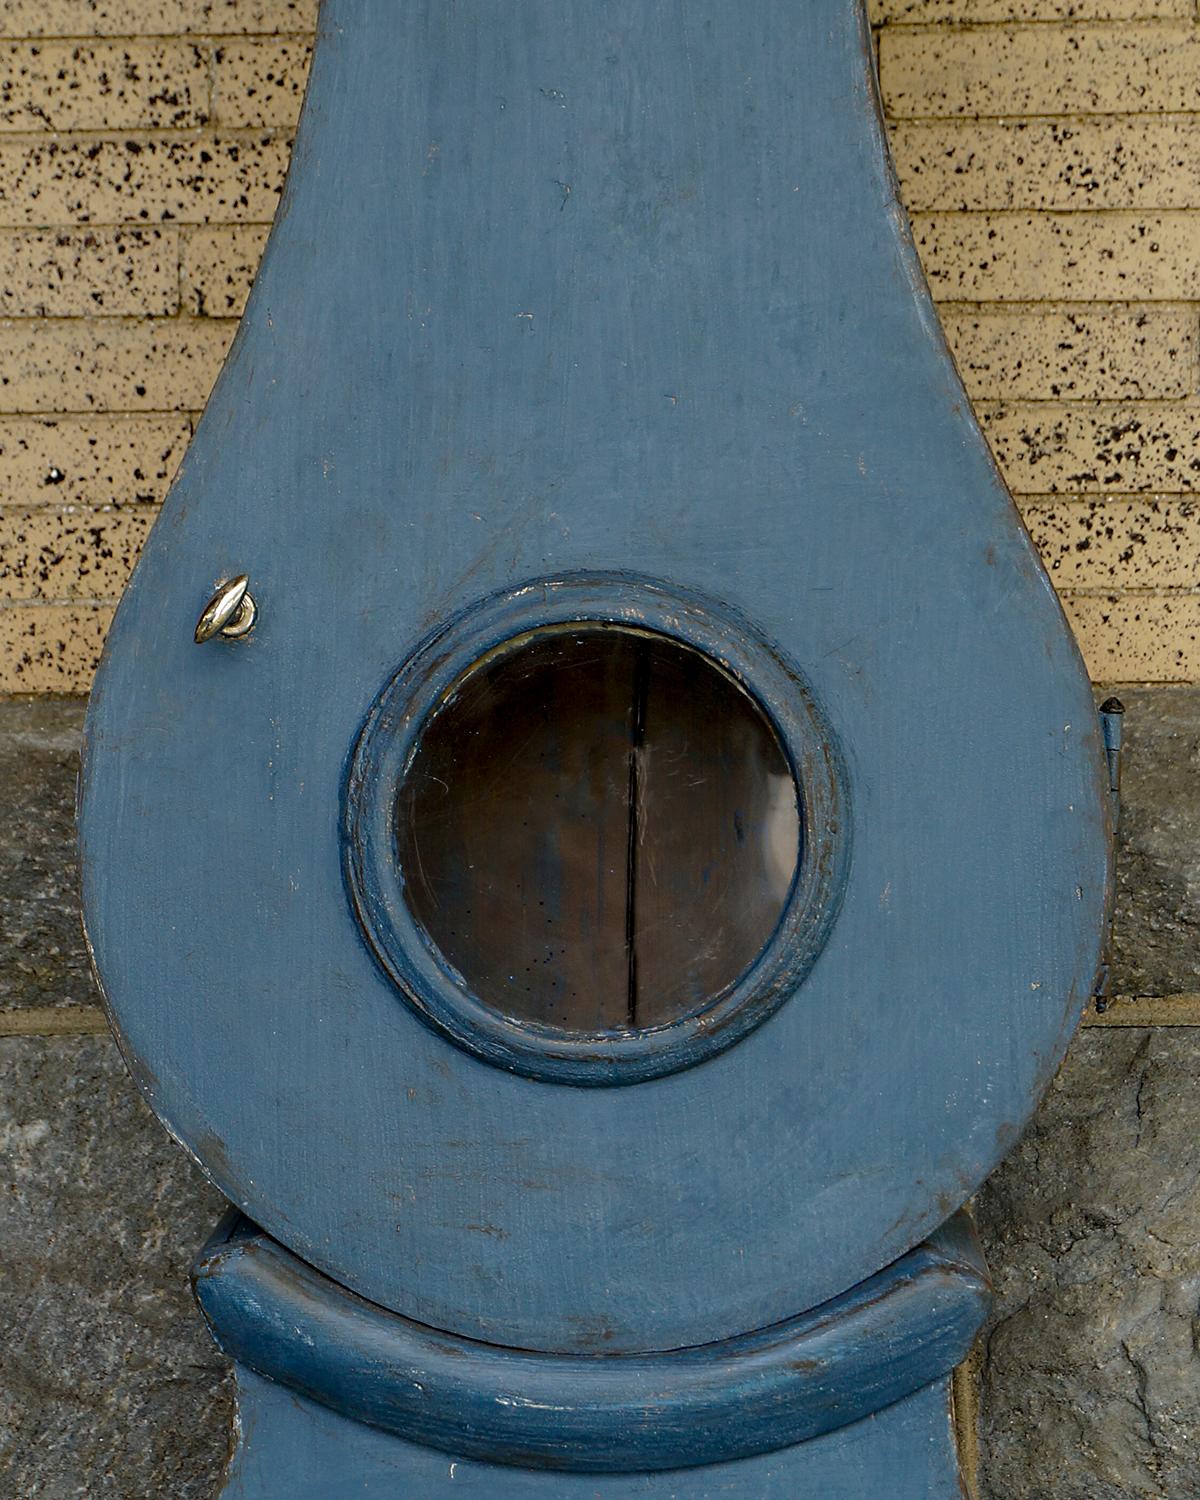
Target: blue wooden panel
388,743
290,1449
594,288
888,1337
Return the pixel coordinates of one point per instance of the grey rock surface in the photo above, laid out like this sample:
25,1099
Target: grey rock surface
1157,927
43,960
109,1383
111,1386
1091,1369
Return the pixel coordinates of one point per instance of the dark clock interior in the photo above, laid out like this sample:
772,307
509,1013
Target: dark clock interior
599,829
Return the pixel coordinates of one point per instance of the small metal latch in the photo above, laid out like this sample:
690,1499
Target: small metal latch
231,612
1112,713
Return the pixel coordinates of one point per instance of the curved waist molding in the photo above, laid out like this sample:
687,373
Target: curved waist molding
889,1336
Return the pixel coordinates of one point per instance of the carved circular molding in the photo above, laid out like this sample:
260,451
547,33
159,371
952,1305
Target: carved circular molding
375,876
905,1327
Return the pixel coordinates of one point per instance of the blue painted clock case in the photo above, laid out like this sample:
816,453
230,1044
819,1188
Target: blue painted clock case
616,290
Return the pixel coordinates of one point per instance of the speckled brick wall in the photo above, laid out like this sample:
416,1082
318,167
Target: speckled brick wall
1049,153
1049,156
1048,150
143,146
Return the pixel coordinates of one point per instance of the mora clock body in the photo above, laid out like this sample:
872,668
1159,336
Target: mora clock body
625,871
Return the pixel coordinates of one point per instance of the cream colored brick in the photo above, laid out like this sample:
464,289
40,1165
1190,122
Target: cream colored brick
77,366
153,17
265,16
70,552
140,178
219,266
1118,447
126,85
260,82
976,12
1036,354
51,648
1130,161
1137,637
89,461
1061,257
1109,544
62,544
63,273
1041,70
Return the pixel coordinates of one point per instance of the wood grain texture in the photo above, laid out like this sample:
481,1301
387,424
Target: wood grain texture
387,878
594,289
906,1453
514,831
897,1333
599,830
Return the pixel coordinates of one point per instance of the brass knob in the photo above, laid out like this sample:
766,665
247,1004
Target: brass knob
231,612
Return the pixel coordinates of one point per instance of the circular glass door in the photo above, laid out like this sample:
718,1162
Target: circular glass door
598,829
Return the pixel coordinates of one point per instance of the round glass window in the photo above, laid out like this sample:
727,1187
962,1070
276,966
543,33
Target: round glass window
598,829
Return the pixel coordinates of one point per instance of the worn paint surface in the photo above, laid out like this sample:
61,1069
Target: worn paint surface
594,289
901,1330
295,1450
377,881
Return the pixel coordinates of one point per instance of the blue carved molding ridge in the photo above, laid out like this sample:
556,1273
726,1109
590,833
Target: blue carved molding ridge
715,366
886,1338
375,876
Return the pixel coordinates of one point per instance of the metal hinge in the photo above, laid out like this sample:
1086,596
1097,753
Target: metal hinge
1112,713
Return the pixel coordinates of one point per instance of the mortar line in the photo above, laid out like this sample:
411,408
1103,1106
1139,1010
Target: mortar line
1160,1011
50,1021
1147,1010
964,1399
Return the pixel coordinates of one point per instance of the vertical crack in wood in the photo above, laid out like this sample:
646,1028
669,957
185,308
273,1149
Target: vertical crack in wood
637,742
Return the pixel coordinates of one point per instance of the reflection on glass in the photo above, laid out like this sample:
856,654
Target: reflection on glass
599,829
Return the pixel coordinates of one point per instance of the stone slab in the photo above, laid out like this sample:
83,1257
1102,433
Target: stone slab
111,1387
43,960
1090,1378
1090,1369
1157,928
